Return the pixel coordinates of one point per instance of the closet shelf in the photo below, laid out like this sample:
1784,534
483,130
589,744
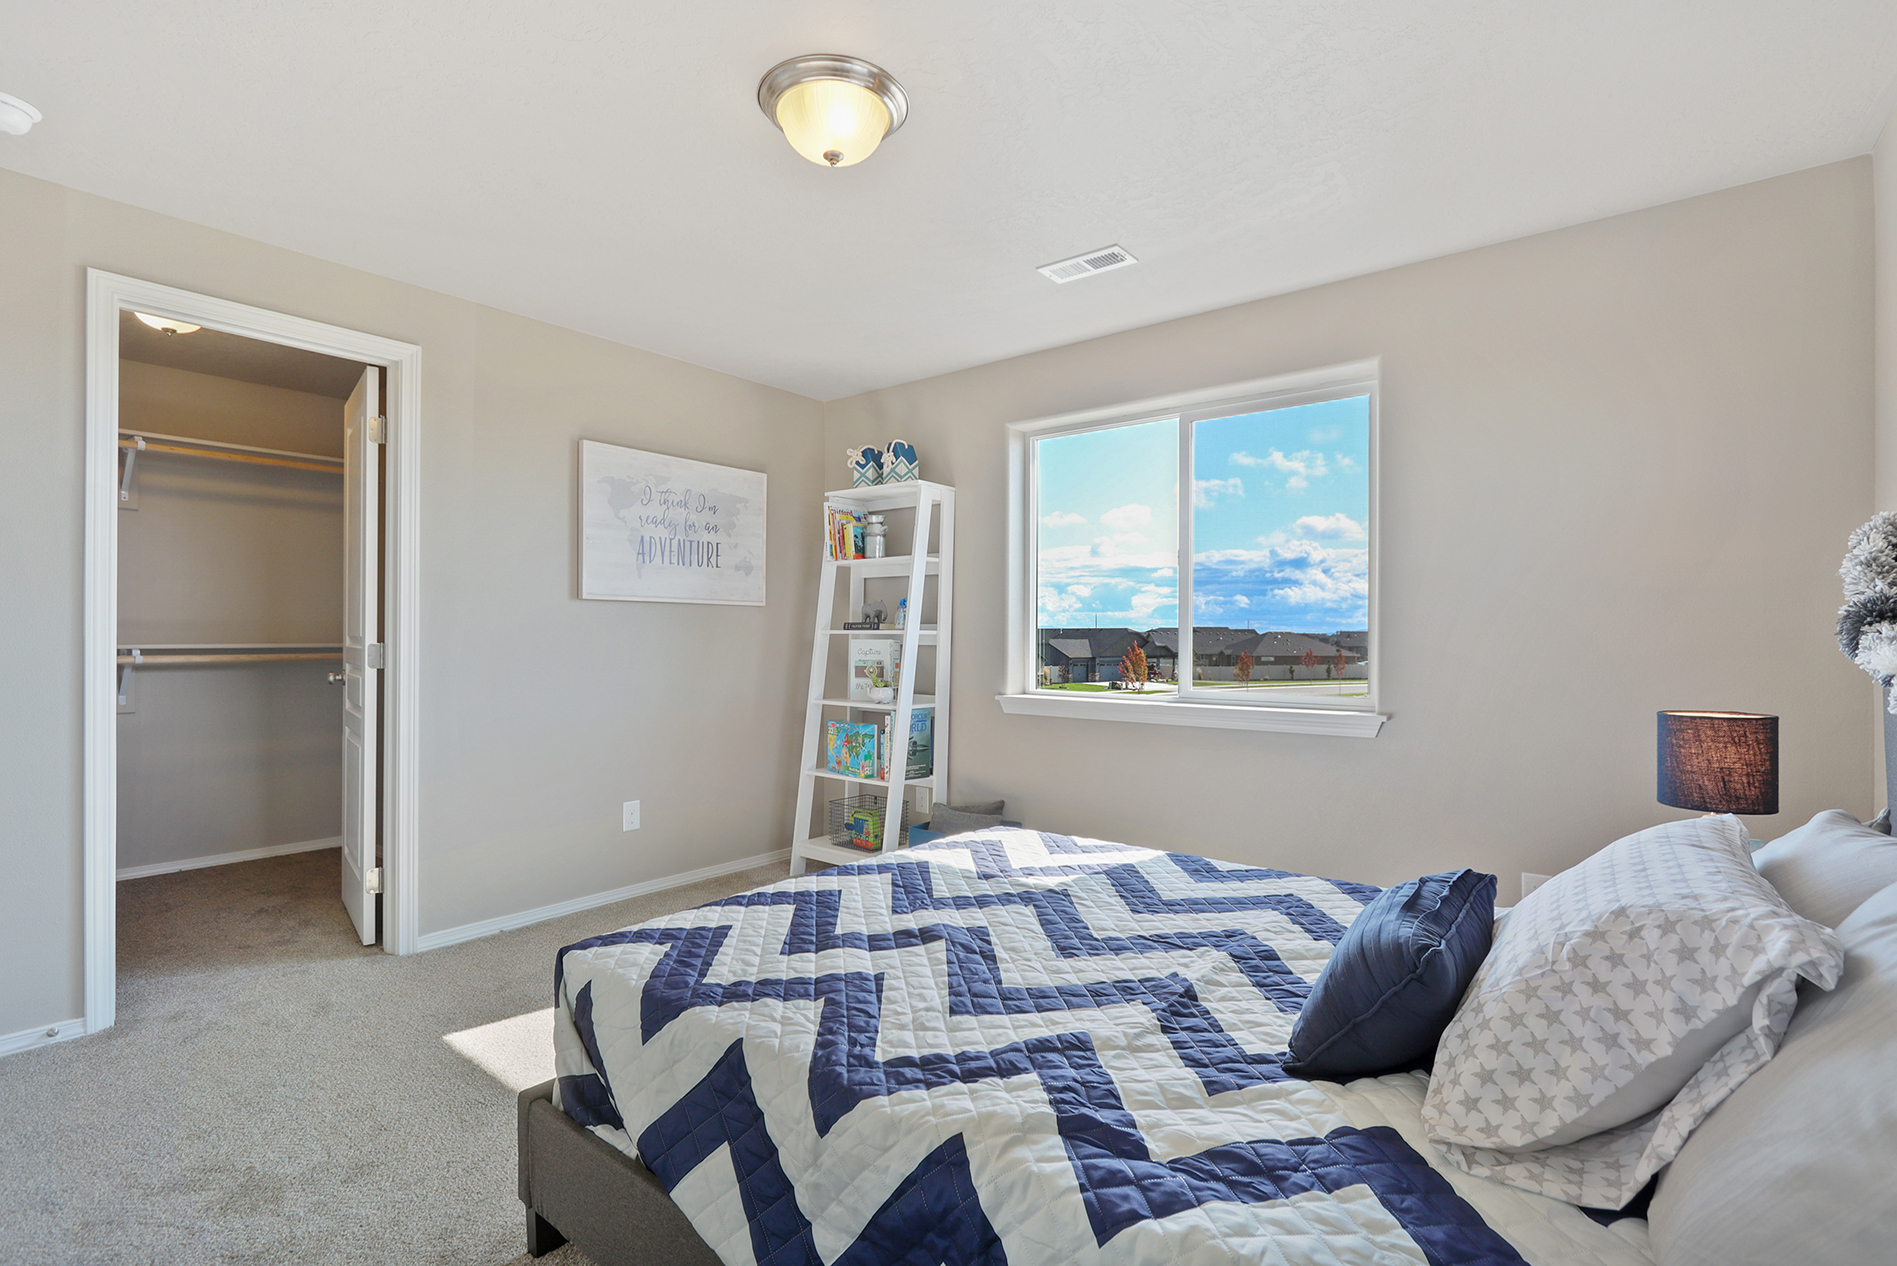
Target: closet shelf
143,660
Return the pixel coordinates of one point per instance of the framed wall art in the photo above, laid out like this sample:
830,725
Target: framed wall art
668,529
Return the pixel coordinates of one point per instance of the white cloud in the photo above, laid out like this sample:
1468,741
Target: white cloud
1338,527
1062,518
1055,605
1205,492
1346,463
1149,599
1081,591
1128,516
1116,545
1303,572
1300,468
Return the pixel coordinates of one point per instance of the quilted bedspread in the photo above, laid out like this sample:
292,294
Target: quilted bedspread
1019,1047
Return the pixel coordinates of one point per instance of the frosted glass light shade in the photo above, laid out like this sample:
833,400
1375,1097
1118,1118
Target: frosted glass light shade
834,110
166,324
16,116
832,122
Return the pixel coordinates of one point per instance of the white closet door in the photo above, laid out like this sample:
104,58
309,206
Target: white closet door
362,656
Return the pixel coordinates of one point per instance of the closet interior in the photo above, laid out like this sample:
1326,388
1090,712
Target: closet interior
231,599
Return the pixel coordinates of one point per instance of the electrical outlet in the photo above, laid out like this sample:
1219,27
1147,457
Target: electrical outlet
629,816
1530,882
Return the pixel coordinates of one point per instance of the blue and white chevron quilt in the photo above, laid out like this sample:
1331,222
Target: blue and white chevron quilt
1024,1048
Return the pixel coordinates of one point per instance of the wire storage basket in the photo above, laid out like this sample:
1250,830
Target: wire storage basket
857,822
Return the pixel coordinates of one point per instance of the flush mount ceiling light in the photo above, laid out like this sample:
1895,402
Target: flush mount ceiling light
834,110
166,324
16,116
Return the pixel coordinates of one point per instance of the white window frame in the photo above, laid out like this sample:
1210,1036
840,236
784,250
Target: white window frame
1355,718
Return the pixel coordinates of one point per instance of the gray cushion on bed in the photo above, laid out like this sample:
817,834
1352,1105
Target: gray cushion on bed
1796,1166
954,819
1830,866
992,808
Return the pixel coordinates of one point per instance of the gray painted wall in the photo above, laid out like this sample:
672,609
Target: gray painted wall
540,712
221,758
1884,196
1627,453
1884,199
1621,458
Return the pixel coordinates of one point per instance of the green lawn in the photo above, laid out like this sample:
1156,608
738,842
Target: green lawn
1274,685
1097,686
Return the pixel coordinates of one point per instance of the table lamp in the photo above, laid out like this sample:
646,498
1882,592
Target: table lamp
1719,762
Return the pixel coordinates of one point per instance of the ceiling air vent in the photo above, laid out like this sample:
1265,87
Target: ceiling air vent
1103,260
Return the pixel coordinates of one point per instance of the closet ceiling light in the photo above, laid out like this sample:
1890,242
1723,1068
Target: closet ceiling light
16,116
166,324
834,110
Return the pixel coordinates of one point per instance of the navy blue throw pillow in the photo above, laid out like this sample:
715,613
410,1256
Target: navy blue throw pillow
1392,984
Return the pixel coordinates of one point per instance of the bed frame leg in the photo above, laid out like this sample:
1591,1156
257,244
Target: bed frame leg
542,1236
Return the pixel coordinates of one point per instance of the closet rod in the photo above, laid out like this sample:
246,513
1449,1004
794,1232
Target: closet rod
139,444
148,647
235,448
154,661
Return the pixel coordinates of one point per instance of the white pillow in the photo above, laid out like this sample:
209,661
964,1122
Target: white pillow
1830,866
1797,1165
1554,1075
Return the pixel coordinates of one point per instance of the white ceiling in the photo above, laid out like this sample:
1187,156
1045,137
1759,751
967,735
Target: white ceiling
604,166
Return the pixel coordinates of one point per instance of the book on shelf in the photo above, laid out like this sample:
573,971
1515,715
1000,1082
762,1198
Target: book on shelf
920,752
844,532
921,743
849,747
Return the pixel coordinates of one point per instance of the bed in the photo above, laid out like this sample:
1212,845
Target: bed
1008,1046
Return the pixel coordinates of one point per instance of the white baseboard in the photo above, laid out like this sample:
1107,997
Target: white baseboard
27,1039
508,922
225,859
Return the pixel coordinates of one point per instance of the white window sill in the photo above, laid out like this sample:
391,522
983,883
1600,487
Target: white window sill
1218,716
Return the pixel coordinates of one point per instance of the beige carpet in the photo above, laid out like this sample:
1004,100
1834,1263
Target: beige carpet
274,1092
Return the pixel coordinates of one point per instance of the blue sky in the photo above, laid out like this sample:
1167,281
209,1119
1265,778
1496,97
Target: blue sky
1281,504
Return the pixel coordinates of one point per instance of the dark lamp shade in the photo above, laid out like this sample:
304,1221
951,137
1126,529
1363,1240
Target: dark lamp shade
1719,762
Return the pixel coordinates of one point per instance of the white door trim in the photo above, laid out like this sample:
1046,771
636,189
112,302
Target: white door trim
106,294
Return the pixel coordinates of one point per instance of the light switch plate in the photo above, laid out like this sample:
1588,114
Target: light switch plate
1530,881
629,816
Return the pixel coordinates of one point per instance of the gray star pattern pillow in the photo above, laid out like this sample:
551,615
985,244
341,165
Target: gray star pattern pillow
1629,995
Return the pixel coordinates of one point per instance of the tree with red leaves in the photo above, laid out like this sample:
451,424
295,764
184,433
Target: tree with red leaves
1133,667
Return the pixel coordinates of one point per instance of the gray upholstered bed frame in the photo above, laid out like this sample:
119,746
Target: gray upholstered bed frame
578,1187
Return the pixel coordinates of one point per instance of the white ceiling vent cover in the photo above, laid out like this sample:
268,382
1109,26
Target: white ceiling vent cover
1106,259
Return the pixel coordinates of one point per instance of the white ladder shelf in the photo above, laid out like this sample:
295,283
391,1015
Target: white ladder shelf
934,508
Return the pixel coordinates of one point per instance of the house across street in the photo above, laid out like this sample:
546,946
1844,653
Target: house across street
1075,656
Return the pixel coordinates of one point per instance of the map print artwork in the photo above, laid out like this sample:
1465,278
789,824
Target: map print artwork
667,529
